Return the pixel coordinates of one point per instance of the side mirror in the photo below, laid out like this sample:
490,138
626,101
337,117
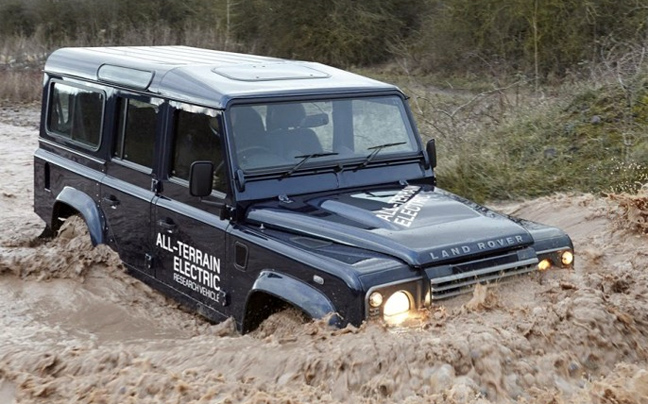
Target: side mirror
430,148
201,175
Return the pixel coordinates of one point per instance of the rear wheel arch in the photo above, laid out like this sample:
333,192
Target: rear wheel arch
71,201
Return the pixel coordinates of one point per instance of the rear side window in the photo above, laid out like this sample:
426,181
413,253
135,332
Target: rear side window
136,132
76,113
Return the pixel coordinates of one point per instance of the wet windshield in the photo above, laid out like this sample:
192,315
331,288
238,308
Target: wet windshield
343,132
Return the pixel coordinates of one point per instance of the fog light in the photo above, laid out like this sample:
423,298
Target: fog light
398,303
428,299
567,258
544,264
375,299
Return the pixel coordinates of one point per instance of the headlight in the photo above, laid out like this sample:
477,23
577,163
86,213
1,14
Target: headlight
544,264
398,303
567,258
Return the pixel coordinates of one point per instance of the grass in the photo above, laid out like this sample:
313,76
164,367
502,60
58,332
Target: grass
511,142
20,86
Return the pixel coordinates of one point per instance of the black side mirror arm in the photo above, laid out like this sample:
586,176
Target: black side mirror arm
226,212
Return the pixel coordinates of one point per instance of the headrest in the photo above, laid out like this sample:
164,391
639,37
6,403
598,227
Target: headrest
284,116
247,120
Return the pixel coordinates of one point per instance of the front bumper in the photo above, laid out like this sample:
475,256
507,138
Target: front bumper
449,280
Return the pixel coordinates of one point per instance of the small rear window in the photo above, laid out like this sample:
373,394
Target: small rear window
133,78
76,113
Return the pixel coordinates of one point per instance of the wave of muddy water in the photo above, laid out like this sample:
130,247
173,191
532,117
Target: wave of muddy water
75,328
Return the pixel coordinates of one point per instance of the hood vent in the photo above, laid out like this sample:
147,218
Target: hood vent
311,243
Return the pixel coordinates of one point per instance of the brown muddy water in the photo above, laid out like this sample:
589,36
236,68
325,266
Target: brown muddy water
75,328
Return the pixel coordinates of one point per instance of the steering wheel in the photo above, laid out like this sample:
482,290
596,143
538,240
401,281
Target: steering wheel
253,150
218,168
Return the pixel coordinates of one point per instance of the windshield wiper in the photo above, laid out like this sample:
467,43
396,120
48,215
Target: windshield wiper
376,150
304,158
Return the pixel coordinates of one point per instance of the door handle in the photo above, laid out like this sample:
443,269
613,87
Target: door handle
111,201
167,225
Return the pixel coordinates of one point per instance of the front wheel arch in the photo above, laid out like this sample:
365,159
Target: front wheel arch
273,291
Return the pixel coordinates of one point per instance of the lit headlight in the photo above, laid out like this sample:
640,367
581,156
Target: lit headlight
398,303
544,264
567,258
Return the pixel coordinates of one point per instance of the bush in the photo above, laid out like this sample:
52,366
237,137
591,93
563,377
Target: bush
537,38
510,143
337,32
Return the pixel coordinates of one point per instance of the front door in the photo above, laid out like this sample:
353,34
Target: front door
190,237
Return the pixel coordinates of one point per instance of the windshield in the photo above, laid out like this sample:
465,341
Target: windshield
298,135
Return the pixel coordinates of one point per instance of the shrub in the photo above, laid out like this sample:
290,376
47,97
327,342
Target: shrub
338,32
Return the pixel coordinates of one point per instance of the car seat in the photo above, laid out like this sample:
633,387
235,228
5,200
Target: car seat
285,131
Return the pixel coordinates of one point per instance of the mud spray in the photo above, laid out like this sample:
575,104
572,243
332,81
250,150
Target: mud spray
75,328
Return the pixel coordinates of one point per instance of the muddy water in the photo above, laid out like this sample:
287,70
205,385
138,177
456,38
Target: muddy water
75,328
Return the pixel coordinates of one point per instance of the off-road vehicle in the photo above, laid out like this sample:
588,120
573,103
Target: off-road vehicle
240,185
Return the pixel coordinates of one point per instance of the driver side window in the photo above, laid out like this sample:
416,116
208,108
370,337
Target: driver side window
197,137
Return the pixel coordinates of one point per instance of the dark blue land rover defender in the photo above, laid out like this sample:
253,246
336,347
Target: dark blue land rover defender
241,185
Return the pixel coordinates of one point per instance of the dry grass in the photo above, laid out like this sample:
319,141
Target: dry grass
23,57
505,140
20,86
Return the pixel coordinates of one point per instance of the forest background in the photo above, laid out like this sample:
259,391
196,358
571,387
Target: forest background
524,97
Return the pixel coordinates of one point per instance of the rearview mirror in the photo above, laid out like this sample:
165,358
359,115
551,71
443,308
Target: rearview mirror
314,121
430,148
201,175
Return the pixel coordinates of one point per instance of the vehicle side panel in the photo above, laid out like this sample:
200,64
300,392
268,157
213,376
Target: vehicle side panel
266,255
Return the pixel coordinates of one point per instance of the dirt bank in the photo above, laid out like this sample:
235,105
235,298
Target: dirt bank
75,328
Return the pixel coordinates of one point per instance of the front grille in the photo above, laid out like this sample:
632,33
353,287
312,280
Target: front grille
463,281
